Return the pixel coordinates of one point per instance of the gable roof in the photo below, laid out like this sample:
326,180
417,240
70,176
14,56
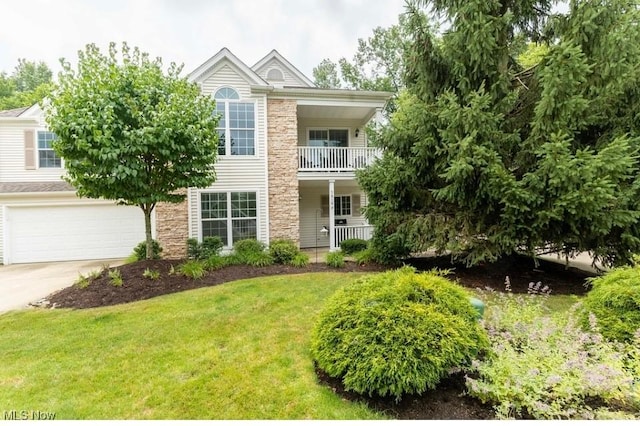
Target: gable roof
275,55
15,112
203,70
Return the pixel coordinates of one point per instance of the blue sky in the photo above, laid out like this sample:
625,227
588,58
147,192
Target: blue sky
191,31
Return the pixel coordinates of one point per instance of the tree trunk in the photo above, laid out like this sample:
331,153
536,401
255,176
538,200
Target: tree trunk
147,229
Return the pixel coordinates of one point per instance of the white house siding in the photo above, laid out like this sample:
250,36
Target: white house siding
304,124
12,160
289,78
1,233
237,173
310,211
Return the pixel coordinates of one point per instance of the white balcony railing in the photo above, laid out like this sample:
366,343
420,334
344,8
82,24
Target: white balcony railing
320,159
364,232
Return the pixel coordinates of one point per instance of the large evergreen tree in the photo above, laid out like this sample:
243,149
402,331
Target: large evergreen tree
485,158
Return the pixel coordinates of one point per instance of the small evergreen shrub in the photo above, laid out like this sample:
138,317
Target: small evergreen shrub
335,259
203,250
283,251
615,302
353,245
396,333
193,269
140,251
300,260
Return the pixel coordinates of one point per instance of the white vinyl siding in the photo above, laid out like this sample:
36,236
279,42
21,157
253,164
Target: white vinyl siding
12,155
1,233
306,124
310,207
237,173
289,78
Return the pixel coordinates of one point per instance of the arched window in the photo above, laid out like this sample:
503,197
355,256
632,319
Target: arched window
275,74
237,123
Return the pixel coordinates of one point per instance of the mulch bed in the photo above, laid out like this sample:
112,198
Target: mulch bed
447,401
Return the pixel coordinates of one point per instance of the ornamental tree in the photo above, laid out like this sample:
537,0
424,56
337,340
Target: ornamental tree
485,158
131,133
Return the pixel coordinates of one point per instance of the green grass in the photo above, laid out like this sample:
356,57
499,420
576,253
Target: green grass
236,351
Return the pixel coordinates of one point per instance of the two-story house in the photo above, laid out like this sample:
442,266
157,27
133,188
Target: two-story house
286,169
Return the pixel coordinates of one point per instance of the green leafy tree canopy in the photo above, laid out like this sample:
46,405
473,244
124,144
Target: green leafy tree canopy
29,83
486,157
131,133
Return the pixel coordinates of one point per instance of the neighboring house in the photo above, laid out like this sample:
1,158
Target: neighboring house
41,218
286,169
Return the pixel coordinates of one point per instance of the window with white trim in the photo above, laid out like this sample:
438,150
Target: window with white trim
236,127
328,138
232,216
342,205
47,158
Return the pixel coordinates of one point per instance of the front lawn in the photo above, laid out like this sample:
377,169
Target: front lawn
237,351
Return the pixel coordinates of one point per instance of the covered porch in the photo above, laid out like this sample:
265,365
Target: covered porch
331,212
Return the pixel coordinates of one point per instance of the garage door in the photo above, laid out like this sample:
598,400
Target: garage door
54,233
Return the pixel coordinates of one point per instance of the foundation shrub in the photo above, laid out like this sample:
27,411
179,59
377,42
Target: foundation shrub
396,333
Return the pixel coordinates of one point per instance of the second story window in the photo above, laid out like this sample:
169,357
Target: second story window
237,123
47,157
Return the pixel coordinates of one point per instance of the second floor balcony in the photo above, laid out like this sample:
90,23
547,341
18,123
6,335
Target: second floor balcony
335,159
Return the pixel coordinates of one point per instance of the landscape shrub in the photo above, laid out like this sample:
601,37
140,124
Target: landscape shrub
615,302
140,251
353,245
335,259
194,269
364,257
115,277
258,259
244,249
152,274
209,246
215,262
546,366
300,260
396,333
283,251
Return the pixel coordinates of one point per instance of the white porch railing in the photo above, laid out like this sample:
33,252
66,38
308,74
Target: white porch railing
364,232
320,159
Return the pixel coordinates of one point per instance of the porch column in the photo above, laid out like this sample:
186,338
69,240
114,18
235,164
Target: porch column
332,221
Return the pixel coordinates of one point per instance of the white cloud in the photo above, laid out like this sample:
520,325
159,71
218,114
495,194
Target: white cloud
191,31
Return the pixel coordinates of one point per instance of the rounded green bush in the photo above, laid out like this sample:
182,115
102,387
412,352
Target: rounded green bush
353,245
396,333
247,248
283,251
615,302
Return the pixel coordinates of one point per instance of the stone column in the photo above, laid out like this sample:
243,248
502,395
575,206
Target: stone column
172,228
282,137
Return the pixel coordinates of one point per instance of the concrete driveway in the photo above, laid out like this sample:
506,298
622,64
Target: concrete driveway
30,282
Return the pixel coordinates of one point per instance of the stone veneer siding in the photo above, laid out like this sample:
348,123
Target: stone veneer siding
282,134
172,229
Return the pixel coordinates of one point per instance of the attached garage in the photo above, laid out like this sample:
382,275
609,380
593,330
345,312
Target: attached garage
45,233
